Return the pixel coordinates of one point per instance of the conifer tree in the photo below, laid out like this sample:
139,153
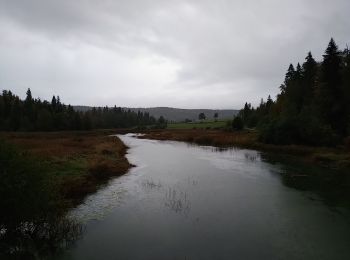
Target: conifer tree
309,79
329,97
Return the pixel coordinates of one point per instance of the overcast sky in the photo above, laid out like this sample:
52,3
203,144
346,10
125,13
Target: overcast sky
142,53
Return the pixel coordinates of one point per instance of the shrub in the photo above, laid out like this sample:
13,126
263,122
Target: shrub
237,123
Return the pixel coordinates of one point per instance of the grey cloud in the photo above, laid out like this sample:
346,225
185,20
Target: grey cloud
239,48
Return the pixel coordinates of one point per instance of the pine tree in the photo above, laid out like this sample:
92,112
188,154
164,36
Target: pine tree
346,87
29,98
309,79
330,99
290,75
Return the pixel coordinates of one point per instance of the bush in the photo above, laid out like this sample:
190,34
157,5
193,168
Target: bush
297,130
313,132
278,131
237,123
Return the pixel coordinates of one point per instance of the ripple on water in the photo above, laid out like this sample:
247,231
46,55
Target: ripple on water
97,206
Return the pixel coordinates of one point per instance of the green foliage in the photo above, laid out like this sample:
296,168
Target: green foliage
216,115
237,123
36,115
205,124
313,106
161,123
201,116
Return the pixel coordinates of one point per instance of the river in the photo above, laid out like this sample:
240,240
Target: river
191,202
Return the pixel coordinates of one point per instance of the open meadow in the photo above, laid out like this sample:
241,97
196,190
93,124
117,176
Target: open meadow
208,124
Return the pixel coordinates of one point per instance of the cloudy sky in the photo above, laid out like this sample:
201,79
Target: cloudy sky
142,53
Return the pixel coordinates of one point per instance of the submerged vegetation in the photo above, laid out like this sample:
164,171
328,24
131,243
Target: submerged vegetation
313,106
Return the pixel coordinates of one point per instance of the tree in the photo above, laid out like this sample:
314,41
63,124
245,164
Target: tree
309,79
237,123
45,120
201,116
346,86
216,115
293,91
290,75
37,115
53,102
162,123
313,106
29,97
330,99
15,115
28,112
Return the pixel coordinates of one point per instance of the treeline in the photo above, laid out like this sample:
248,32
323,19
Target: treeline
35,115
313,106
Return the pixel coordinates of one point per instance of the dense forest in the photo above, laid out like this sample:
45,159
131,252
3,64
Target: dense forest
313,106
36,115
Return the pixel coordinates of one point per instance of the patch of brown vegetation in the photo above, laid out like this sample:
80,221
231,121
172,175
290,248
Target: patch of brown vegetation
80,161
205,137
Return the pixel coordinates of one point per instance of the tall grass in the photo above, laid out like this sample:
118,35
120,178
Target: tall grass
79,161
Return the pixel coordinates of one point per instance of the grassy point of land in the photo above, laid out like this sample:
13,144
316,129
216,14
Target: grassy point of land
79,161
210,124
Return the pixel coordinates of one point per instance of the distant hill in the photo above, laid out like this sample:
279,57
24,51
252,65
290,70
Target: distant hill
178,114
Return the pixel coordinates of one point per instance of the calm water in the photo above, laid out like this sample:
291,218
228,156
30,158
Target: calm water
191,202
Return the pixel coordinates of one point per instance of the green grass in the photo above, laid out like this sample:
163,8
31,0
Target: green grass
69,167
205,124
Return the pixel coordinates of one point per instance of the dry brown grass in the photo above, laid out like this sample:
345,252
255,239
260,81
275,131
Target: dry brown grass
205,137
58,144
80,161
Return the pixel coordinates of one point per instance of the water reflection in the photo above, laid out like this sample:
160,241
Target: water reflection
331,185
100,204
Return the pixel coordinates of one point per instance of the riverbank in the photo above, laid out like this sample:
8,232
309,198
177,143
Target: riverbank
79,162
336,158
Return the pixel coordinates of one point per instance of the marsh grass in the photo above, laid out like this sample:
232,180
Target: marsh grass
42,176
33,223
79,161
207,124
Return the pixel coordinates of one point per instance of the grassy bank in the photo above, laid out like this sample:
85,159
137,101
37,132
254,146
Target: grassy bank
207,124
42,175
78,161
329,157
